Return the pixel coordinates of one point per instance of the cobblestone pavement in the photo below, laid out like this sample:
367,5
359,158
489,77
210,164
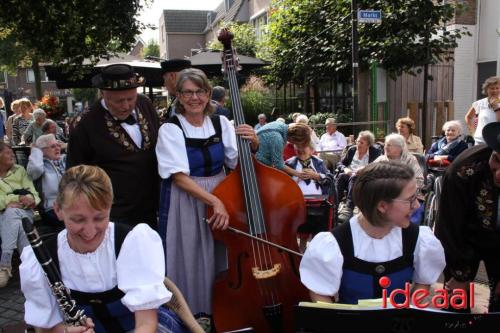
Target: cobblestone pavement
12,300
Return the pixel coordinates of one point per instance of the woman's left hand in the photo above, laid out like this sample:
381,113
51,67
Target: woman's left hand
247,132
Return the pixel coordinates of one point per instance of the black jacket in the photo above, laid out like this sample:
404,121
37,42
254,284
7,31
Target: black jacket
373,153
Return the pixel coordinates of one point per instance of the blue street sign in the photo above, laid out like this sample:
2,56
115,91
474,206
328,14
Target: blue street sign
369,16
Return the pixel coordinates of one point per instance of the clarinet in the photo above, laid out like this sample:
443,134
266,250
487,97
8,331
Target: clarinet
72,316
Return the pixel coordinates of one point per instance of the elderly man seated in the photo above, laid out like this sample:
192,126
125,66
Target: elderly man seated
34,129
331,144
46,166
17,200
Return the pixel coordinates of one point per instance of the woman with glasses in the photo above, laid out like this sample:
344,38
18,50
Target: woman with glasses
193,147
46,165
345,265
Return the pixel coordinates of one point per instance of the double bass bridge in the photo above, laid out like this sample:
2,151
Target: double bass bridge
259,274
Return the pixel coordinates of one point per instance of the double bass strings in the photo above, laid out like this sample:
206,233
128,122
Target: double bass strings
261,252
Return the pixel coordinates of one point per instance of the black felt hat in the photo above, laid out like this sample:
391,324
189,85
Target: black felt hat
491,135
117,77
174,65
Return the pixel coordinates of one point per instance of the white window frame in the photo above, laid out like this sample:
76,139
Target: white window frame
43,75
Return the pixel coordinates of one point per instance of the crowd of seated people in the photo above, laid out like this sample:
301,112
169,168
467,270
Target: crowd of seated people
308,166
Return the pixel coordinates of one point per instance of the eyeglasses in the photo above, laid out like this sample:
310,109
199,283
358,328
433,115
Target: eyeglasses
54,146
190,93
411,200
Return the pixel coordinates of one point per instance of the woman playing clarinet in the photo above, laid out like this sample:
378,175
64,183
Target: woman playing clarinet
114,273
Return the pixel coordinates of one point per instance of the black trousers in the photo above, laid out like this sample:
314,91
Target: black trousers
491,261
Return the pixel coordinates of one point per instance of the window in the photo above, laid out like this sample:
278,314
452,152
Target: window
209,19
228,4
260,25
30,76
3,80
484,71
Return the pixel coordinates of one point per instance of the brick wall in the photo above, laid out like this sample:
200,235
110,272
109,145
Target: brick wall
468,17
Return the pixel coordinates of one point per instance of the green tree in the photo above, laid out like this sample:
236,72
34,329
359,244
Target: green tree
152,49
310,39
244,40
66,32
88,95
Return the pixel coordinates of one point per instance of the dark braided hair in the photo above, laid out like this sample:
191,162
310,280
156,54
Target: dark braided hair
381,181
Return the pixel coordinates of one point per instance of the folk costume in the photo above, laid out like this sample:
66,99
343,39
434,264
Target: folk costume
309,186
349,262
317,215
109,284
125,150
192,256
468,220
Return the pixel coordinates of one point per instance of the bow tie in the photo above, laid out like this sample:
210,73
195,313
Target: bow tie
306,165
129,120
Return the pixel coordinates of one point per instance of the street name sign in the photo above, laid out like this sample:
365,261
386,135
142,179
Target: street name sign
369,16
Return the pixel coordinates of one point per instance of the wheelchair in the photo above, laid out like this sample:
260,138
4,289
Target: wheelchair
320,216
434,186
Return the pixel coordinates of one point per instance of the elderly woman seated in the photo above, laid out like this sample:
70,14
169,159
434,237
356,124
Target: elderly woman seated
446,149
357,157
396,150
17,200
34,129
46,165
51,126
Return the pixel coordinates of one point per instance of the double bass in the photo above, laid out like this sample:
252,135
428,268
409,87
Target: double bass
261,285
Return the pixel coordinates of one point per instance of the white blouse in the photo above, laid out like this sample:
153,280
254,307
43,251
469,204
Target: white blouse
485,115
311,188
171,150
321,266
139,272
134,131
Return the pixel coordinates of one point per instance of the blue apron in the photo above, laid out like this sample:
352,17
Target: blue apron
360,279
206,159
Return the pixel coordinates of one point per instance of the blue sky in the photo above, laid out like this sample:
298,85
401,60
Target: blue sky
152,14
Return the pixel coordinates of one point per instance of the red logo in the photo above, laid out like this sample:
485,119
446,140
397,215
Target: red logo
442,298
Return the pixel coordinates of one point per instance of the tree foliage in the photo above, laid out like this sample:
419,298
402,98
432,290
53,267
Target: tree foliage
244,40
67,31
152,49
309,39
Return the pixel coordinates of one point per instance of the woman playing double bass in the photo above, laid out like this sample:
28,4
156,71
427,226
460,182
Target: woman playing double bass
261,285
193,146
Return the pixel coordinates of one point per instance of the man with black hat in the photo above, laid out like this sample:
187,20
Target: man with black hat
170,69
119,135
468,223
